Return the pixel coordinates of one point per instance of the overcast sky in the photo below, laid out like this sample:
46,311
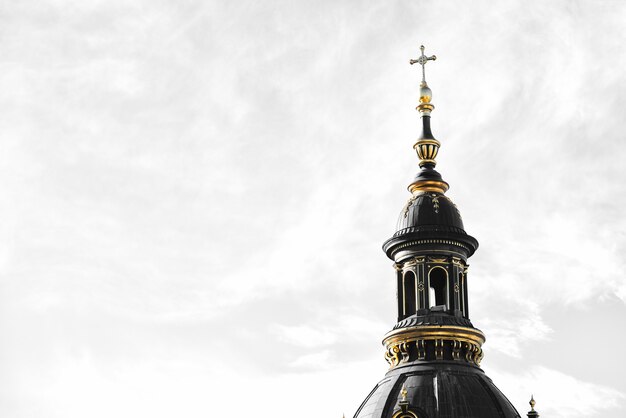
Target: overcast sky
193,198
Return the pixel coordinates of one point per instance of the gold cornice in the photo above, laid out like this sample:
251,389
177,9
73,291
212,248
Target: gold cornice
434,332
410,344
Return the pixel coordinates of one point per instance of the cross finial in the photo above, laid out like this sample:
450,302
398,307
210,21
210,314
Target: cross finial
422,60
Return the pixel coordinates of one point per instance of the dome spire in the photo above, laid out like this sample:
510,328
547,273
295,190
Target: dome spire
426,146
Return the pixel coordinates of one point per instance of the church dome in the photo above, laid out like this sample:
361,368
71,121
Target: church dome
429,217
436,390
434,352
429,211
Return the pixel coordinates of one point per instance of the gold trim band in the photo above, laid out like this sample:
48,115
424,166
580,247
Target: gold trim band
433,342
429,186
435,331
425,107
427,142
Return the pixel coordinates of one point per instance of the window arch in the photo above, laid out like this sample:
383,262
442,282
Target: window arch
438,287
408,286
400,295
462,293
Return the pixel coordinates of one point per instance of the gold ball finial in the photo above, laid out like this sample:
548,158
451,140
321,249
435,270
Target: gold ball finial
426,94
532,403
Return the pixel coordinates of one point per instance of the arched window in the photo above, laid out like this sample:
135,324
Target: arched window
462,293
409,293
438,287
465,295
400,295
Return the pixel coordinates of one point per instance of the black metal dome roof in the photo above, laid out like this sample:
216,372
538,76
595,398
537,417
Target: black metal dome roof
438,390
429,217
429,211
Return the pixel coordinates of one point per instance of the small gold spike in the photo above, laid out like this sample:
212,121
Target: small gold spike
403,393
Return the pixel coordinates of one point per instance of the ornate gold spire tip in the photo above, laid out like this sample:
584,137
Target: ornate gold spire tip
532,403
426,146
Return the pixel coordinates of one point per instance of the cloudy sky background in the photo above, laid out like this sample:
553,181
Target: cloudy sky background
194,196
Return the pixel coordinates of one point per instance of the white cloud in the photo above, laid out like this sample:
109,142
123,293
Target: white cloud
559,394
315,361
304,336
183,176
511,329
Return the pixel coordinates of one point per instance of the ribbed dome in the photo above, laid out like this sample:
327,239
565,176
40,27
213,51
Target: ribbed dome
438,390
429,211
429,217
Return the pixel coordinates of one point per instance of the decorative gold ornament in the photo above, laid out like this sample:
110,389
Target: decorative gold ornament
532,413
456,350
405,405
405,414
439,349
408,264
427,150
403,393
406,344
458,262
409,203
435,199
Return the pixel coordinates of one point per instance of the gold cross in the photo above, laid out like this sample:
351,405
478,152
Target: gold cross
422,60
